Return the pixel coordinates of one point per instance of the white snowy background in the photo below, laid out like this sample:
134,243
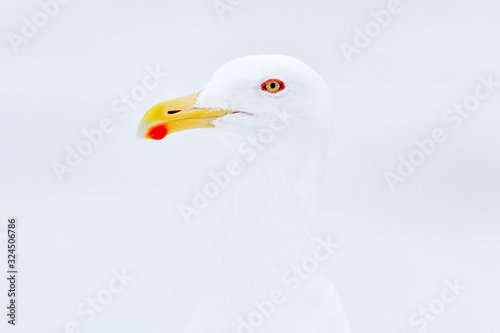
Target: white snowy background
118,209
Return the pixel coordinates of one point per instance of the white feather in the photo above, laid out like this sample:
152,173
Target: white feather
268,215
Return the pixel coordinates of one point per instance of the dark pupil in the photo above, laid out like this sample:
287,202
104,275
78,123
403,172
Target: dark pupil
273,85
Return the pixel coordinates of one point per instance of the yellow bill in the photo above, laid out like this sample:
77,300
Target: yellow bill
176,115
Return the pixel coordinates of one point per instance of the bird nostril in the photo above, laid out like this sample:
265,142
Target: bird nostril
173,111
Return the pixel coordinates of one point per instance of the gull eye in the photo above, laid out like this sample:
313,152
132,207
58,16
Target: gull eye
273,86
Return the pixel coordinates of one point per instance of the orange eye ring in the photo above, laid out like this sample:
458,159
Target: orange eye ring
273,86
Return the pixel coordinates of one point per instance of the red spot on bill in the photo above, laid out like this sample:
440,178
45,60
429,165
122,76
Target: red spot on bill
157,132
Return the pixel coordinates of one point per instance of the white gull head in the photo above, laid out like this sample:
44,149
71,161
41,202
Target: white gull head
261,89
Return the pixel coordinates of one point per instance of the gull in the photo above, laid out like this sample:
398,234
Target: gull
267,273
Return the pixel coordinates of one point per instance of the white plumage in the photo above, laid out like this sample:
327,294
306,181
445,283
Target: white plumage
268,219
